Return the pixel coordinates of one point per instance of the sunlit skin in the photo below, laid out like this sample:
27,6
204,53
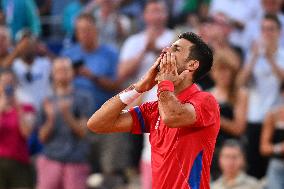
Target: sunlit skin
86,34
62,72
155,15
270,32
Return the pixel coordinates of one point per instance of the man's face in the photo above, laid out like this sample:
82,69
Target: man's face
231,161
269,30
85,32
155,14
181,50
62,71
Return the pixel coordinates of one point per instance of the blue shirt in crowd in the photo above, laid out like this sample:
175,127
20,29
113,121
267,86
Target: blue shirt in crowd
102,62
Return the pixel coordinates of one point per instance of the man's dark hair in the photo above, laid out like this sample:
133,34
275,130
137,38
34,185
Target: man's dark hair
201,52
87,16
273,18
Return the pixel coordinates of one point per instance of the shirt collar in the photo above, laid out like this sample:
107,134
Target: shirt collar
188,91
240,178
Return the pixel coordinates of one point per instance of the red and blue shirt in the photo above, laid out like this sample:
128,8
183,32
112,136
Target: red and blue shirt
181,157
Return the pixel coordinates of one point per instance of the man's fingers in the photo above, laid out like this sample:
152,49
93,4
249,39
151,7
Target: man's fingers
174,63
155,65
163,64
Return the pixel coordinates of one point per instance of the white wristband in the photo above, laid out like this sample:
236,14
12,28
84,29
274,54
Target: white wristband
127,97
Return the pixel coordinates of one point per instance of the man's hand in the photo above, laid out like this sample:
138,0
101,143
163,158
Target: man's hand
148,80
168,70
22,46
49,110
84,71
65,106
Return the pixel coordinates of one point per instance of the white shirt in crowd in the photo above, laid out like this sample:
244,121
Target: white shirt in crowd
265,89
243,11
35,90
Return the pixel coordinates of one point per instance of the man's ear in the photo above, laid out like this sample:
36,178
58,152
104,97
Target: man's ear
192,65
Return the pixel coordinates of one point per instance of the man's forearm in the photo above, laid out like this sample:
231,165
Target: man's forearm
104,119
172,111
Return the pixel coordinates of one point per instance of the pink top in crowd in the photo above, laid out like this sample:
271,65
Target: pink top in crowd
12,144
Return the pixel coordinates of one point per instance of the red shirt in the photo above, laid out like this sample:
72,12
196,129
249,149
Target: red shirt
181,157
12,143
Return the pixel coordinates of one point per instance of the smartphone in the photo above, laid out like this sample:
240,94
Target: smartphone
77,64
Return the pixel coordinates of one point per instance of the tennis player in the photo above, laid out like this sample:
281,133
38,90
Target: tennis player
183,123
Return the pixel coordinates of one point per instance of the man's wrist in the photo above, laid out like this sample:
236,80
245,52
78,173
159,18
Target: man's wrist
129,95
165,85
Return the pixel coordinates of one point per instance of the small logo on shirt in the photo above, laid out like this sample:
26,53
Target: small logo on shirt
157,123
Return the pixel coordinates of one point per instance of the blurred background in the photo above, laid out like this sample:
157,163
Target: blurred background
61,60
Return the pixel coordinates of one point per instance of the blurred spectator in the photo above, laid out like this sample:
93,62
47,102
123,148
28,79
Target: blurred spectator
7,54
70,13
219,35
92,60
238,13
132,8
263,72
235,10
272,144
253,29
62,120
215,31
191,24
32,71
232,101
16,124
21,14
232,164
112,26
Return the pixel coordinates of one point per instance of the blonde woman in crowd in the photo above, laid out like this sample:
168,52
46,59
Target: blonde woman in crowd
232,99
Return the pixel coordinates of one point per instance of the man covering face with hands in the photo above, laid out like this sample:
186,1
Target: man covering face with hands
183,123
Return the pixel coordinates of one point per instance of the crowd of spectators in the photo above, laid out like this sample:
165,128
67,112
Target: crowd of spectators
61,60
